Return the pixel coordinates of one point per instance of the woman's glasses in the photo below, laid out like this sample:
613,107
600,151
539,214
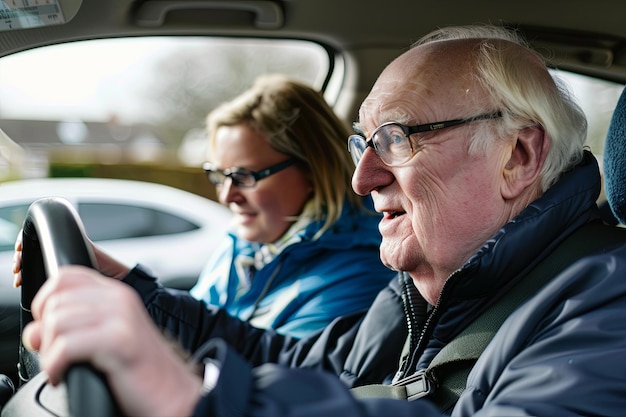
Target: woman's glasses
242,177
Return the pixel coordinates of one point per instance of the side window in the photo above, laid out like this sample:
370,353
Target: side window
11,219
597,98
120,221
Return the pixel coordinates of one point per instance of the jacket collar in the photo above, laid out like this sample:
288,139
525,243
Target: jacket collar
512,252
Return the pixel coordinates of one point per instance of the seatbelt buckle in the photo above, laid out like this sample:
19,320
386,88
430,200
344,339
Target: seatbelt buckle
417,385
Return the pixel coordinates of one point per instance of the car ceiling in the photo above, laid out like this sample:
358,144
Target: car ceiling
579,35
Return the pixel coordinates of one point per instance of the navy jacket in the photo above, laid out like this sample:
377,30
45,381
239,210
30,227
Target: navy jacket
563,353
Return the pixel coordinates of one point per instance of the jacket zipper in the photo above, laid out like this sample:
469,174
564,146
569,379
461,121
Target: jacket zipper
417,341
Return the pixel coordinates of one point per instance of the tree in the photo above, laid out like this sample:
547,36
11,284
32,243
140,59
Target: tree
195,79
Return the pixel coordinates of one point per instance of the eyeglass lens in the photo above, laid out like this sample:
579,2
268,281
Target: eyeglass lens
390,141
392,144
239,178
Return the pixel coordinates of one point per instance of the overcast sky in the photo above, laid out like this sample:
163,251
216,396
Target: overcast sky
50,83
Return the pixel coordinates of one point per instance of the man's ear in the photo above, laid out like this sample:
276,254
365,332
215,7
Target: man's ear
527,158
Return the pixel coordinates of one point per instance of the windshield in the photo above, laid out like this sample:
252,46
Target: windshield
134,99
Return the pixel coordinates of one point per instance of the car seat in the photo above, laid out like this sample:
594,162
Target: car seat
614,159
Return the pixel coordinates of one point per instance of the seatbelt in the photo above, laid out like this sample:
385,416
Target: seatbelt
445,378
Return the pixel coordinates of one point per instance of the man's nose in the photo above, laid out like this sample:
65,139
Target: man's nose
370,173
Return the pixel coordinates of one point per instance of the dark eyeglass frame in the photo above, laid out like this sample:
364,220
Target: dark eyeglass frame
238,175
357,151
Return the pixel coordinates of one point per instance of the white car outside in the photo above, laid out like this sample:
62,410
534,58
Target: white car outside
171,231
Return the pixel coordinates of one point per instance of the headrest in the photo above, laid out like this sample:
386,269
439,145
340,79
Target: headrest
615,161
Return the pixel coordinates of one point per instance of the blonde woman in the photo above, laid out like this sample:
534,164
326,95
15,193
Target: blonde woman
304,247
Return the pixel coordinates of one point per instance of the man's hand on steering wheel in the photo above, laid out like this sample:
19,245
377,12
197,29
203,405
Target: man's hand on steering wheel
76,316
81,316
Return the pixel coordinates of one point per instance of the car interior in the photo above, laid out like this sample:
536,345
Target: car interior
210,50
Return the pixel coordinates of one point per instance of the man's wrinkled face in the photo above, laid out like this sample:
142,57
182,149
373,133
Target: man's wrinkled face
442,204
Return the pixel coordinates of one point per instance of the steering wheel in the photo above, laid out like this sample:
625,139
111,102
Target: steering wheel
53,236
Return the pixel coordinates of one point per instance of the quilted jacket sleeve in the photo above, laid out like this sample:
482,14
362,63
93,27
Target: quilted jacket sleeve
344,347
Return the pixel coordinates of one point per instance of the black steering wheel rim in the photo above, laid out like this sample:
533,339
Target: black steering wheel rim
53,236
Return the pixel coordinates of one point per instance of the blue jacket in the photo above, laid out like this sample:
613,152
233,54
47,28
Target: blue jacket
562,353
309,283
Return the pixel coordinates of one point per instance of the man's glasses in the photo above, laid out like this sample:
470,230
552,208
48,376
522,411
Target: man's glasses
392,143
242,177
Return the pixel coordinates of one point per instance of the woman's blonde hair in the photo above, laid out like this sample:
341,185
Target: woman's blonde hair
297,121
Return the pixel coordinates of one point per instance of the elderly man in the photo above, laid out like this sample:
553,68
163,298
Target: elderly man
475,156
